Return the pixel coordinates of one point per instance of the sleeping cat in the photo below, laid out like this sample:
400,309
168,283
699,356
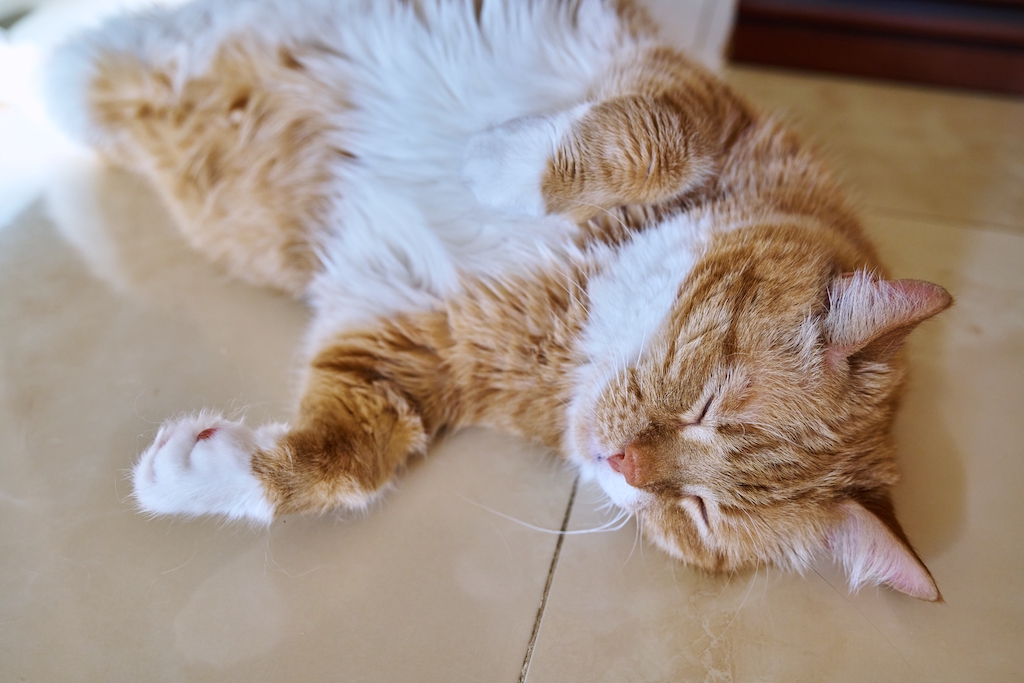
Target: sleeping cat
528,215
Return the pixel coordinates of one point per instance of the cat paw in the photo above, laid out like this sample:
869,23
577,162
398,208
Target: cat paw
504,167
202,464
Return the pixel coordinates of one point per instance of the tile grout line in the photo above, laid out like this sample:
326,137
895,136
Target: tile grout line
547,584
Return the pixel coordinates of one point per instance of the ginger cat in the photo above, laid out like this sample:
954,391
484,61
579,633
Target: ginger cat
530,216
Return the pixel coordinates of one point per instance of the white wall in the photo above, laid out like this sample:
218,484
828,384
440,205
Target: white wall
701,27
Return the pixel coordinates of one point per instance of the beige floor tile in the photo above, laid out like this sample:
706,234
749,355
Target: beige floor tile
619,613
108,326
919,151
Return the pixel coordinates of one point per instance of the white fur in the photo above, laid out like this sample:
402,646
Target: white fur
628,303
520,60
505,166
630,299
615,487
182,475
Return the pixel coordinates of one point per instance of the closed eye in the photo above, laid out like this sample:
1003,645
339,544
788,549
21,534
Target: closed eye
703,412
703,510
698,512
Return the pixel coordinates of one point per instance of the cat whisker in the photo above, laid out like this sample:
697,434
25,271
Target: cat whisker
569,292
726,586
636,539
643,344
192,557
760,551
569,278
618,522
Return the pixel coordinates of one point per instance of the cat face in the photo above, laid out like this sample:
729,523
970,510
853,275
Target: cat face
755,422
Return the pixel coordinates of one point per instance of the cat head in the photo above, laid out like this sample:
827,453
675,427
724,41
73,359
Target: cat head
754,426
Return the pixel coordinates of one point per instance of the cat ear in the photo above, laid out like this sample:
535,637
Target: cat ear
873,549
872,317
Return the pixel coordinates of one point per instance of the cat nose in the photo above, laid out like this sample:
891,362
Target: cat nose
627,464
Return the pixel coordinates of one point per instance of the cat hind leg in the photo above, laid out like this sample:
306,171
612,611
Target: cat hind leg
234,130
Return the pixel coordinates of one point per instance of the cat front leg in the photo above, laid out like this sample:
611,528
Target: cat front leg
202,464
353,433
655,128
623,151
505,166
372,400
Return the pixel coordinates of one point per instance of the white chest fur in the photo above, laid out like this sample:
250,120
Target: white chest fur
632,296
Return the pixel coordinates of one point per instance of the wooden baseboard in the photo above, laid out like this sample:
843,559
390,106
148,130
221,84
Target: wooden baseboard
940,42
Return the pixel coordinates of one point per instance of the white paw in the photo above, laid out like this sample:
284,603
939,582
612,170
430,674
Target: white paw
505,166
202,464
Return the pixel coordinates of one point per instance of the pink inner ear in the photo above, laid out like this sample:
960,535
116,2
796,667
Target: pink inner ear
872,554
875,316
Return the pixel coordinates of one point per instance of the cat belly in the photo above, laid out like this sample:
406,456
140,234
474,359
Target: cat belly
371,104
407,227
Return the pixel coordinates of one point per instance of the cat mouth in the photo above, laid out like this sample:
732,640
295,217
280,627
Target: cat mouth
614,462
617,488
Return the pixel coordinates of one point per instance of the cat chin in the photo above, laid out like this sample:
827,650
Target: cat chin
592,468
615,487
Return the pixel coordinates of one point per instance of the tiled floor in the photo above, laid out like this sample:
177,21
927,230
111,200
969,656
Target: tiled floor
108,325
